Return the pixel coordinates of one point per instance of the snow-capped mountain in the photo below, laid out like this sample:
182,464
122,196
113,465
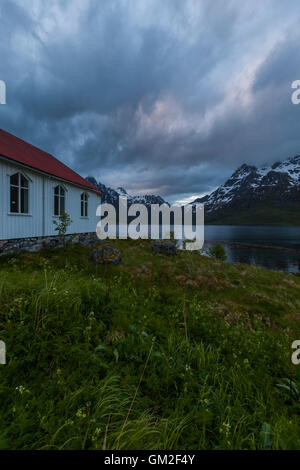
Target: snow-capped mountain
111,196
251,196
266,190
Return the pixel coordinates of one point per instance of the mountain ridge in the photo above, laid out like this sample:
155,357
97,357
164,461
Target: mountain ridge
111,196
257,195
267,195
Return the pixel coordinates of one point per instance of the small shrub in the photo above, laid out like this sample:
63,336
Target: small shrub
218,251
64,221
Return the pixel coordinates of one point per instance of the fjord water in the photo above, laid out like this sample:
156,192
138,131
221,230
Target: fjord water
272,247
267,246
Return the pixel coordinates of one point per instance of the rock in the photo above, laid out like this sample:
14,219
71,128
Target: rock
89,243
35,248
75,239
106,254
52,243
35,244
164,248
68,239
89,240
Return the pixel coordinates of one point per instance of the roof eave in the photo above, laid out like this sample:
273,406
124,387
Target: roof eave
50,175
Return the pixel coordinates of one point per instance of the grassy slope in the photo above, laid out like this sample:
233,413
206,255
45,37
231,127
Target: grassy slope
207,341
256,216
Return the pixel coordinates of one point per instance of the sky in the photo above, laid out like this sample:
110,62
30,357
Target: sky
162,97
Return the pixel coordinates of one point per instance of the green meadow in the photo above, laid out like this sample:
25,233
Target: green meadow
159,352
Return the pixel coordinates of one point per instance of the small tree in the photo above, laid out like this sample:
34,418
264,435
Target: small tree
64,220
218,252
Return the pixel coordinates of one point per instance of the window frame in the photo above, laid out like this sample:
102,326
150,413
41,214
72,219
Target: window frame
60,197
84,205
20,191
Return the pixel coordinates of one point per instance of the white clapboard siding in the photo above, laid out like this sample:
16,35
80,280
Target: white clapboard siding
39,221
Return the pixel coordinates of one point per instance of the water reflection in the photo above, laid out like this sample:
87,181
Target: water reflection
277,236
253,245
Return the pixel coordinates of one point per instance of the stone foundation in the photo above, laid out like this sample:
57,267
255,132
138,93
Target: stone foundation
36,244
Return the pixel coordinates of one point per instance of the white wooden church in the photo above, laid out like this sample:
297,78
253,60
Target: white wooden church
36,188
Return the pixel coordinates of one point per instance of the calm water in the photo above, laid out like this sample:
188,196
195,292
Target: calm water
270,247
241,245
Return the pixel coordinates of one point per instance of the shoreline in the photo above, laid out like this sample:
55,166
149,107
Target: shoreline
253,245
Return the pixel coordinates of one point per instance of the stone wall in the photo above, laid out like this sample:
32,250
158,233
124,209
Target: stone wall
36,244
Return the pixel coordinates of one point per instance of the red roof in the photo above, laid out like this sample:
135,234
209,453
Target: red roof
19,151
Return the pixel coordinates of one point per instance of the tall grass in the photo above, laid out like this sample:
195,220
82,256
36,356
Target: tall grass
120,360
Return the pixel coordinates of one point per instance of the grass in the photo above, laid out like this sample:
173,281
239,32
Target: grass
180,352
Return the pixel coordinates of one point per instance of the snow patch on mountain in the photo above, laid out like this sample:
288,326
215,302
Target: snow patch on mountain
111,196
248,181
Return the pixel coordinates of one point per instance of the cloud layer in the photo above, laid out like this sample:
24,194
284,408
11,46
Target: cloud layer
158,97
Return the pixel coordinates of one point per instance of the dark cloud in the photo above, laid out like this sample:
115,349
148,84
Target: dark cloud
166,97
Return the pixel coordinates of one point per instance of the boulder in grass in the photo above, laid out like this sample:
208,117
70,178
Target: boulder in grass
90,243
88,240
106,254
168,248
52,243
34,248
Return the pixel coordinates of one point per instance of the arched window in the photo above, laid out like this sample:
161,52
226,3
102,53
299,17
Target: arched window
19,190
84,205
59,200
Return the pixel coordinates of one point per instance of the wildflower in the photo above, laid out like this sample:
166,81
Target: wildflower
225,429
96,434
21,389
80,413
